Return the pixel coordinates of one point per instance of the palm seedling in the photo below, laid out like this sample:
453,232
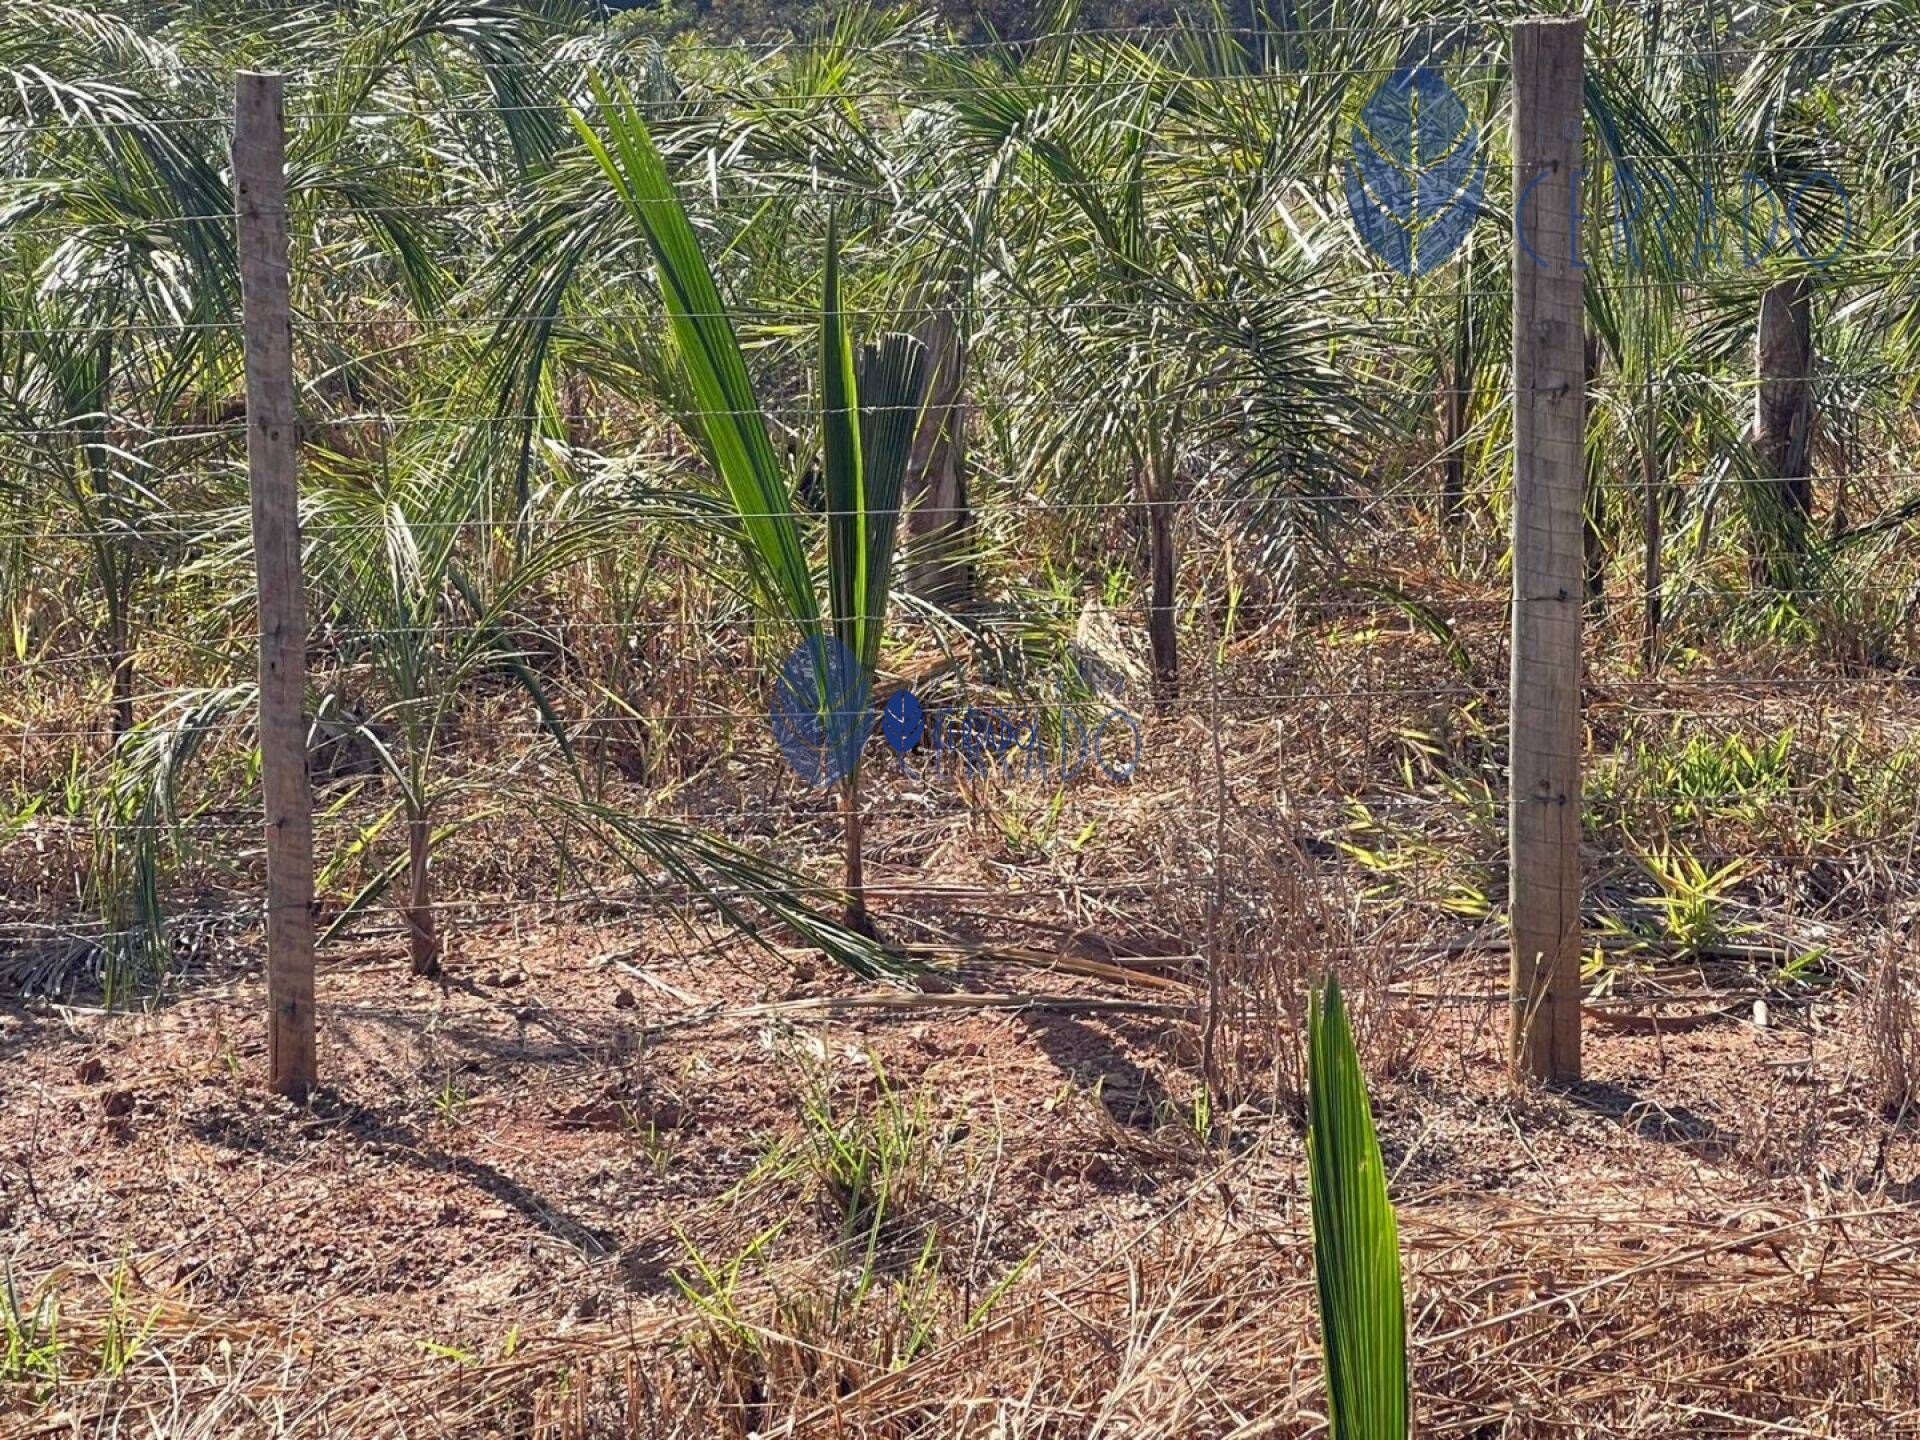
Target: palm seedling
869,411
427,604
1356,1241
423,623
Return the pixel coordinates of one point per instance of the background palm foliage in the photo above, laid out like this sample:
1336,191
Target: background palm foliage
579,366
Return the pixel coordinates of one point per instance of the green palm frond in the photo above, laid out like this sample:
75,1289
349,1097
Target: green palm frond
729,418
842,464
893,390
1356,1241
869,413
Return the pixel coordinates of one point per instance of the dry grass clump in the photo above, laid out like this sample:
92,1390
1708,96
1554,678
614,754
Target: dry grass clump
1893,1028
1286,924
1527,1321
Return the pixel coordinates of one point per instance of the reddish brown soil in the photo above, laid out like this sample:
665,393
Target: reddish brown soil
520,1161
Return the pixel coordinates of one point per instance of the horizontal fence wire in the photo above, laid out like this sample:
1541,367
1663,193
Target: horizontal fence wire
84,428
145,528
525,204
682,896
1374,801
1442,26
532,627
1438,29
1873,268
1759,684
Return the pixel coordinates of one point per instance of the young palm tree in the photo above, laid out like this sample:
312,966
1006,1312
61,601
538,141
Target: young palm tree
405,602
869,411
1180,318
422,601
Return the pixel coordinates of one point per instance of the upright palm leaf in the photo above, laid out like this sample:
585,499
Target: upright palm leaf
1356,1243
842,463
869,416
893,392
729,419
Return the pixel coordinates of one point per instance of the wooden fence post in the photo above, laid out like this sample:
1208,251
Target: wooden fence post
260,205
1549,422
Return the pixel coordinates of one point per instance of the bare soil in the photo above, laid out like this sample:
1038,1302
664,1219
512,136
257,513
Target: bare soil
521,1203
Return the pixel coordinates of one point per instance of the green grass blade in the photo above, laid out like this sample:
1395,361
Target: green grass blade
1356,1242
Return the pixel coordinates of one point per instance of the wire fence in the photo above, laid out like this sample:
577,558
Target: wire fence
1366,721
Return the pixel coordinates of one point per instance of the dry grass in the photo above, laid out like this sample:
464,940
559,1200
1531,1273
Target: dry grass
1893,1029
1528,1320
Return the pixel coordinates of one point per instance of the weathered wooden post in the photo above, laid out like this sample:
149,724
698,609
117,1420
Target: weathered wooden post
260,206
1549,421
1652,483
